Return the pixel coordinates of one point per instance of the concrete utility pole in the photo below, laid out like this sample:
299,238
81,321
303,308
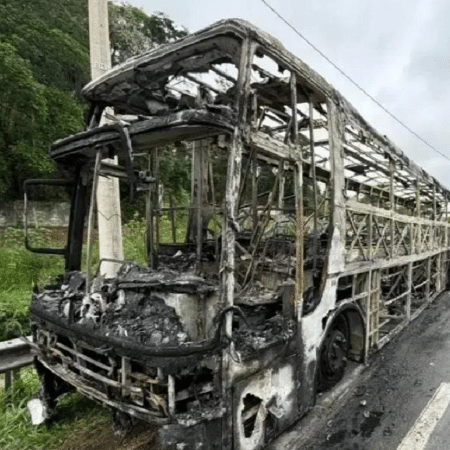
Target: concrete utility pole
108,195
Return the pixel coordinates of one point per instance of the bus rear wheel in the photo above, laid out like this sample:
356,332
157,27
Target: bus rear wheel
333,355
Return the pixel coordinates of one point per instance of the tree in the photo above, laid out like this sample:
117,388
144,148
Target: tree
43,33
44,63
23,110
133,32
42,70
32,116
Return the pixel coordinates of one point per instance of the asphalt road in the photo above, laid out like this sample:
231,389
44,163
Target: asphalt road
398,402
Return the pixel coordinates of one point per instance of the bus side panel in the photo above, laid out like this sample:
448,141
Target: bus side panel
312,333
264,405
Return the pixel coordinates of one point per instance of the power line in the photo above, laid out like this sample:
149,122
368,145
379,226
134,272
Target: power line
352,81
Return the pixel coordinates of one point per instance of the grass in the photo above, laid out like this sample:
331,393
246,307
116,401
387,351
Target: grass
19,269
80,424
77,417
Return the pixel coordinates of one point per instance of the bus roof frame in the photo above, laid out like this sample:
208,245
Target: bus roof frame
242,29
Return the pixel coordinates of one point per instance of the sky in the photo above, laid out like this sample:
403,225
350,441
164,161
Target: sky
397,50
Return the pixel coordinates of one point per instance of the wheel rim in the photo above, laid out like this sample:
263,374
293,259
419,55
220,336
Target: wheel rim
335,352
333,355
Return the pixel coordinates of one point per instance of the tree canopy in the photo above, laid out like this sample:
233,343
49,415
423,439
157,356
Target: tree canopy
133,32
44,62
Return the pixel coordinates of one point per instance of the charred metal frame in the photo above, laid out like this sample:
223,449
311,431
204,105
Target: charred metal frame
326,240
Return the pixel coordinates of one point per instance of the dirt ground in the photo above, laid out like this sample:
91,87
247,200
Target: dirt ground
142,437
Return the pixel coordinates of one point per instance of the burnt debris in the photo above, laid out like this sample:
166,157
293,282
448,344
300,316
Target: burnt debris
134,306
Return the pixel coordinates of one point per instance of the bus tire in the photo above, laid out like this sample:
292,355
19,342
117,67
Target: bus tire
333,354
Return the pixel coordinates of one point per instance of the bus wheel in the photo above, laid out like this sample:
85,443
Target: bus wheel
333,355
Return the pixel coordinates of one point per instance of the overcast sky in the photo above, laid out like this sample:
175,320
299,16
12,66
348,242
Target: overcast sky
397,50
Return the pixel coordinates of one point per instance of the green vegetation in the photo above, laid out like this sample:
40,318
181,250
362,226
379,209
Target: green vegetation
42,68
78,417
44,63
134,232
19,269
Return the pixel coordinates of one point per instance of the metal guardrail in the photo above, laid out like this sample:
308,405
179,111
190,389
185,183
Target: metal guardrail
14,355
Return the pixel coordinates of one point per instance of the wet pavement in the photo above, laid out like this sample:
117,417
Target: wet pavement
383,402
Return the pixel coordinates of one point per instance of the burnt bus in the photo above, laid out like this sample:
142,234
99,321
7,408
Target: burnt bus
307,240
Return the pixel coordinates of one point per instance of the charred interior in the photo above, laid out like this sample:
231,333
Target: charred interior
281,236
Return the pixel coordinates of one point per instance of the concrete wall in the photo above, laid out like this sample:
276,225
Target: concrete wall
48,214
